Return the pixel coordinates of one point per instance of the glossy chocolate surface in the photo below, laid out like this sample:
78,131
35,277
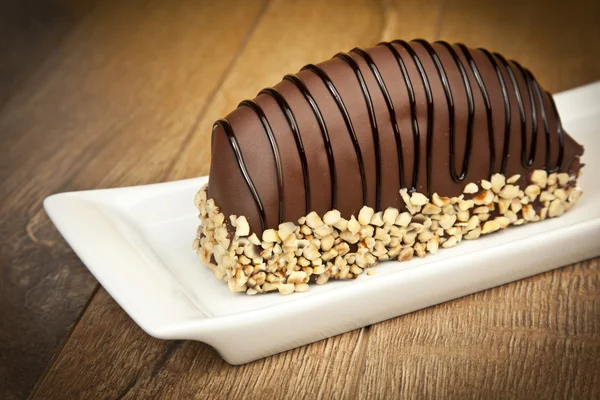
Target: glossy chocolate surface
355,129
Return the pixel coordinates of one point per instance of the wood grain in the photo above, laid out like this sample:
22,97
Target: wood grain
110,108
129,97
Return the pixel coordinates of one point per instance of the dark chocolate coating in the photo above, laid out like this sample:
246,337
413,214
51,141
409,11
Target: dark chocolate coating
355,129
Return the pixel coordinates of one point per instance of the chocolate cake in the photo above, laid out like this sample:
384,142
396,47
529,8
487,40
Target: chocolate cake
379,154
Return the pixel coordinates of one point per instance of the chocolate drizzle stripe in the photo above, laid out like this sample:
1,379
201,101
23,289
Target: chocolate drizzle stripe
430,111
390,106
507,110
525,162
240,160
324,133
450,104
486,100
534,116
276,155
291,119
413,112
560,133
538,94
374,130
344,111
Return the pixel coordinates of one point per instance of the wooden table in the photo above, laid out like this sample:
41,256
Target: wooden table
124,93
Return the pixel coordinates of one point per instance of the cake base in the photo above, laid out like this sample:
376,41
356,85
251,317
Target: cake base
319,248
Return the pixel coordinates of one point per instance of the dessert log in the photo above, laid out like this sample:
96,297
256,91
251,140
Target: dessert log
378,154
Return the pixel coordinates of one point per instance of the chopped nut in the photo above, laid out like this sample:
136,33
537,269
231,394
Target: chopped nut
270,236
370,271
474,234
473,223
528,212
516,205
552,179
465,205
406,254
390,215
350,237
430,209
286,229
546,196
366,231
440,201
498,181
490,226
313,220
509,192
462,216
563,179
447,221
322,279
481,210
433,244
532,191
365,214
403,219
539,177
327,243
560,194
487,185
418,199
301,287
322,231
242,226
556,209
512,217
342,224
502,221
513,179
483,198
286,288
353,225
311,252
503,205
332,217
451,242
425,236
297,277
471,188
254,239
420,250
377,219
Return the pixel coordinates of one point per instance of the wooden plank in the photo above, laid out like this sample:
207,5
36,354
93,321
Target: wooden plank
289,36
109,108
123,361
29,31
535,338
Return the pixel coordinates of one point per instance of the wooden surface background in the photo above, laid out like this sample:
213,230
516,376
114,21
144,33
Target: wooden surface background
113,93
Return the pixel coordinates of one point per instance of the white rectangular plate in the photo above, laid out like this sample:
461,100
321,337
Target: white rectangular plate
137,243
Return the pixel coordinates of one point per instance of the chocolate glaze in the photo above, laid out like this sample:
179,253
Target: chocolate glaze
413,117
291,119
390,106
506,103
365,90
342,107
324,133
351,120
